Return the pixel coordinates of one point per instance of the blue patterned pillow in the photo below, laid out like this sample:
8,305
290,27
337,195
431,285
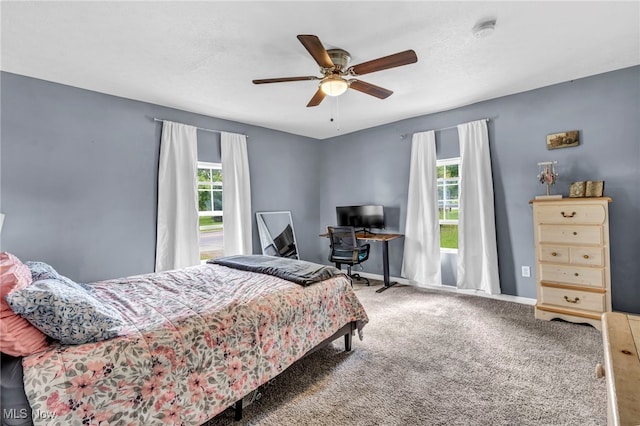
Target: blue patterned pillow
44,271
65,311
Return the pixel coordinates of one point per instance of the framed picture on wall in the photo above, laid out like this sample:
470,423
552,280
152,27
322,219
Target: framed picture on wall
563,140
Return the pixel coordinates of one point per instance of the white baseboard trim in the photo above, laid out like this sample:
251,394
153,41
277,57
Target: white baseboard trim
505,297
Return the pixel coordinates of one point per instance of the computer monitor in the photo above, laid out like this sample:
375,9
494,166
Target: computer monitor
365,217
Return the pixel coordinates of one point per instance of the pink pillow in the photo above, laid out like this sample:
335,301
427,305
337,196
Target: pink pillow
17,336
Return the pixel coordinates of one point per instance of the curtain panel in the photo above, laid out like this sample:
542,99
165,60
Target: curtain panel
177,242
477,267
236,195
421,262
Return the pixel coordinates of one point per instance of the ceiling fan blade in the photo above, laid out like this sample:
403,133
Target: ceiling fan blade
370,89
317,98
391,61
316,49
283,79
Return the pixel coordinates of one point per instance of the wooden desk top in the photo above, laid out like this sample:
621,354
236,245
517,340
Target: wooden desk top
621,336
377,237
371,237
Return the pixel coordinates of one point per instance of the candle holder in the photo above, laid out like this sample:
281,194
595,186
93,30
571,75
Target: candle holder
548,176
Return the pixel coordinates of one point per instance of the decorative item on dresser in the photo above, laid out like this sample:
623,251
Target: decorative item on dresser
590,188
572,259
547,176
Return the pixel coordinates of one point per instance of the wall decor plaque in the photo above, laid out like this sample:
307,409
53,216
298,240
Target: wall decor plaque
563,140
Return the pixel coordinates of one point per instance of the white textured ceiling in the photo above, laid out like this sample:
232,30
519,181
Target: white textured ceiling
202,56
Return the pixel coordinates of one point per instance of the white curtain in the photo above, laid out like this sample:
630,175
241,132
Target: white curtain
421,262
177,243
477,267
236,195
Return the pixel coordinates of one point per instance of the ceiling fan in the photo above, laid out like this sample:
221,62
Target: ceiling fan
334,66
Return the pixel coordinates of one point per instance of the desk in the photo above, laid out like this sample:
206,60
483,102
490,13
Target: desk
621,339
384,239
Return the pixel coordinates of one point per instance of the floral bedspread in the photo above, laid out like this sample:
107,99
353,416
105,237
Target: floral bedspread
197,340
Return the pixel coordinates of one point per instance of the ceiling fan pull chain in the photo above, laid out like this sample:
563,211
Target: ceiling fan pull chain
337,113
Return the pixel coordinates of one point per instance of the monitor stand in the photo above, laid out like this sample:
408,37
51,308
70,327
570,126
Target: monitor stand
366,231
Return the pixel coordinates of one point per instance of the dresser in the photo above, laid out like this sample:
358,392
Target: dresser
572,259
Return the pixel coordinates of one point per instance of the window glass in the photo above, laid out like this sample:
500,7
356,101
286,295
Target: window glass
210,210
448,203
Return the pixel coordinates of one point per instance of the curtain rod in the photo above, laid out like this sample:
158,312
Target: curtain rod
443,128
199,128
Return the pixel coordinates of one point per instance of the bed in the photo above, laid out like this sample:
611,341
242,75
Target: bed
192,342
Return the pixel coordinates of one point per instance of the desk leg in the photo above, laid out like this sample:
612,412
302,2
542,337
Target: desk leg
385,261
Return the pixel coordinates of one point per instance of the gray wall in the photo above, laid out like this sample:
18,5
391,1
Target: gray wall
79,170
606,110
79,177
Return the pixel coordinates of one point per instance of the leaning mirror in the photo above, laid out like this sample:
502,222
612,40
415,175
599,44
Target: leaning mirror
277,237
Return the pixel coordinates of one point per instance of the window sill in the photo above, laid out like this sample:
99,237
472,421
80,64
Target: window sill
448,250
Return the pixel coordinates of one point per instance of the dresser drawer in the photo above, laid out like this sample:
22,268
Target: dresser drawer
573,299
592,256
556,254
570,234
584,214
577,275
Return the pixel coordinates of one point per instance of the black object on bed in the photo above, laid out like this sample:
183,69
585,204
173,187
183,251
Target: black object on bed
298,271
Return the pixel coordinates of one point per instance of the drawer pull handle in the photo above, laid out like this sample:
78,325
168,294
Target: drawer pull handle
576,274
575,233
568,215
586,256
554,253
576,300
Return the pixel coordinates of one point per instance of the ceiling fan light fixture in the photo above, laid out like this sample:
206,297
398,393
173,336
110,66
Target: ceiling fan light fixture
334,85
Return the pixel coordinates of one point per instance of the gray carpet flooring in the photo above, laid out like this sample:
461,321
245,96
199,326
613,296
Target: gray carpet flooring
441,358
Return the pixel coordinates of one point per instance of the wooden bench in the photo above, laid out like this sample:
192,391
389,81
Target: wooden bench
621,338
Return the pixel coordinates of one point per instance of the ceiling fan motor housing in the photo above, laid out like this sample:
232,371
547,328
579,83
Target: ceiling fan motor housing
340,58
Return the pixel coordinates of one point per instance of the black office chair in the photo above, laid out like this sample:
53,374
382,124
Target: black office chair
345,249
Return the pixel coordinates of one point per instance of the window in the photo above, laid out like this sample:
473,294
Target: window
210,210
448,205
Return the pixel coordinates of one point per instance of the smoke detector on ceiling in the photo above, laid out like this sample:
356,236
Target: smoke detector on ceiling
484,29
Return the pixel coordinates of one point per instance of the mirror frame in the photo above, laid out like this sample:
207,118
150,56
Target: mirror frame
260,217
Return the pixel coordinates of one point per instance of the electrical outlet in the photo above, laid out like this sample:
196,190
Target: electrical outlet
526,271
